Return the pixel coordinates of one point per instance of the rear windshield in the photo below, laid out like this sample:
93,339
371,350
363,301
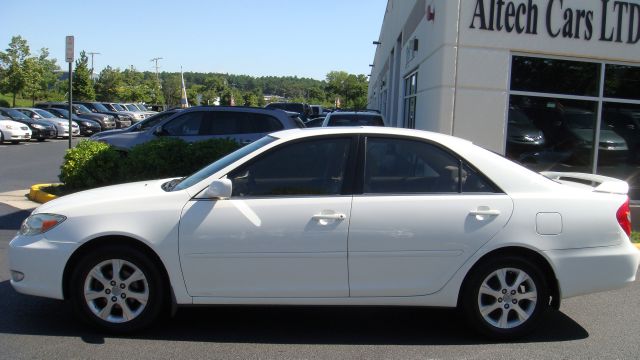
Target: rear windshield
356,120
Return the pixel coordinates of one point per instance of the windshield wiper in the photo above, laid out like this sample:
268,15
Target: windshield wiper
169,185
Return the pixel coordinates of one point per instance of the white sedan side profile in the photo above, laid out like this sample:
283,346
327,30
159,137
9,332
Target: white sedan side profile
335,216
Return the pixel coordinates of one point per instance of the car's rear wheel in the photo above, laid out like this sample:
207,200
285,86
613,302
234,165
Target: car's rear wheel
505,298
1,137
117,288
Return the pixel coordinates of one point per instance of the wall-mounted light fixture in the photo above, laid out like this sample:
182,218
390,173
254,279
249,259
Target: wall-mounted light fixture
377,43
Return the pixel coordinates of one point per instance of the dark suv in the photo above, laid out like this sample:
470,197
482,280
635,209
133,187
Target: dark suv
106,121
242,124
301,108
122,120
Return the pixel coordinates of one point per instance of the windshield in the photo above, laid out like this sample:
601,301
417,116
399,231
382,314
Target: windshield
149,122
356,120
142,107
118,107
131,108
517,117
82,109
222,163
100,107
45,114
586,120
15,114
63,112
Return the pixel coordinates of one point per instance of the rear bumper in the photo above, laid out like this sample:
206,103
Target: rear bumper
589,270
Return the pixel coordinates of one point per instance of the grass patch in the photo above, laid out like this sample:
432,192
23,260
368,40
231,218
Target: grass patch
20,102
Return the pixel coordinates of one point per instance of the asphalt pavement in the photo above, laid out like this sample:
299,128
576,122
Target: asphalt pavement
597,326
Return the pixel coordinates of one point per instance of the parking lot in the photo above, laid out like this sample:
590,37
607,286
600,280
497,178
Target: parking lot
601,325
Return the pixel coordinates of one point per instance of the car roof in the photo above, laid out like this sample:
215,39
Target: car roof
370,130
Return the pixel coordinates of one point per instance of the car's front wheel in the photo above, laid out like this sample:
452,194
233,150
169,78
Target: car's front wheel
117,288
505,298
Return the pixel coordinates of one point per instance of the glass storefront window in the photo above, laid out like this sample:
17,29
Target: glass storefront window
558,132
554,76
551,134
622,82
410,91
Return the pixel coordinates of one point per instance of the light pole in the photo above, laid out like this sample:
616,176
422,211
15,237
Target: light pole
69,42
92,53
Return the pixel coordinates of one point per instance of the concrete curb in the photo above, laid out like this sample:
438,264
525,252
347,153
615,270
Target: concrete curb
38,195
637,245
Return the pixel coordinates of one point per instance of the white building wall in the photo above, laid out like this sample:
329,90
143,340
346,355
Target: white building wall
463,72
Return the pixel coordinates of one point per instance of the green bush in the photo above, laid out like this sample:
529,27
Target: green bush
90,164
4,103
93,164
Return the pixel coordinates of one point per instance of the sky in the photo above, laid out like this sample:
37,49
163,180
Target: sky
304,38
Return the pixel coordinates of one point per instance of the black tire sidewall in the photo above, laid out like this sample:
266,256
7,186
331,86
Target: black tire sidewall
154,280
472,287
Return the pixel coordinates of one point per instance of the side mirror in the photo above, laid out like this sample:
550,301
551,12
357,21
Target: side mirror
219,189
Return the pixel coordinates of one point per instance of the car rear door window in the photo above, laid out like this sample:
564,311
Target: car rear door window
235,122
311,168
188,124
410,166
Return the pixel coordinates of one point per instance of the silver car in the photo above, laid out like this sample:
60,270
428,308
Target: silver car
62,125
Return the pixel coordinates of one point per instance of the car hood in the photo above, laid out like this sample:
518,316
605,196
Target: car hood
107,133
606,136
106,199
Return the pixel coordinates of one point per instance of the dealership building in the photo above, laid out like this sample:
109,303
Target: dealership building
552,84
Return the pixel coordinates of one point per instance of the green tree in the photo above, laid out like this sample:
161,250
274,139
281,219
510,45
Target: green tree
172,88
349,88
13,76
82,82
33,74
49,77
109,85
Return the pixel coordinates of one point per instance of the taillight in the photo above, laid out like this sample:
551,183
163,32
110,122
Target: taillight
624,217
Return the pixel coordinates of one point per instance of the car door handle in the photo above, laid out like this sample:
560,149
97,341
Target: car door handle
335,216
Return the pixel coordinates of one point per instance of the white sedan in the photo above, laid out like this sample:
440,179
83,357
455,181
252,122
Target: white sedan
335,216
13,131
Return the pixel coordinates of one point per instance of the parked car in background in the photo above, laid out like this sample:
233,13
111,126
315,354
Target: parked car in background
106,121
315,122
40,129
122,120
353,118
317,111
242,124
87,127
522,135
135,115
13,131
360,216
137,127
62,125
301,108
135,109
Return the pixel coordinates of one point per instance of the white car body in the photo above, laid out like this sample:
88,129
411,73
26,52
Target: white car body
407,249
14,131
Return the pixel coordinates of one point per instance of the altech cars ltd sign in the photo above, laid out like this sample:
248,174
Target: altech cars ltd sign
609,21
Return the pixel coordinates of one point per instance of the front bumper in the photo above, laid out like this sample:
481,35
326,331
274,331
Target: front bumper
42,262
13,135
589,270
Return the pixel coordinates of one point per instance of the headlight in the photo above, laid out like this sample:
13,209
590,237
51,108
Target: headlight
86,123
40,223
38,126
9,127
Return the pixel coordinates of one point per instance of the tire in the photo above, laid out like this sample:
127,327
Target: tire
15,142
1,137
40,139
118,308
505,312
